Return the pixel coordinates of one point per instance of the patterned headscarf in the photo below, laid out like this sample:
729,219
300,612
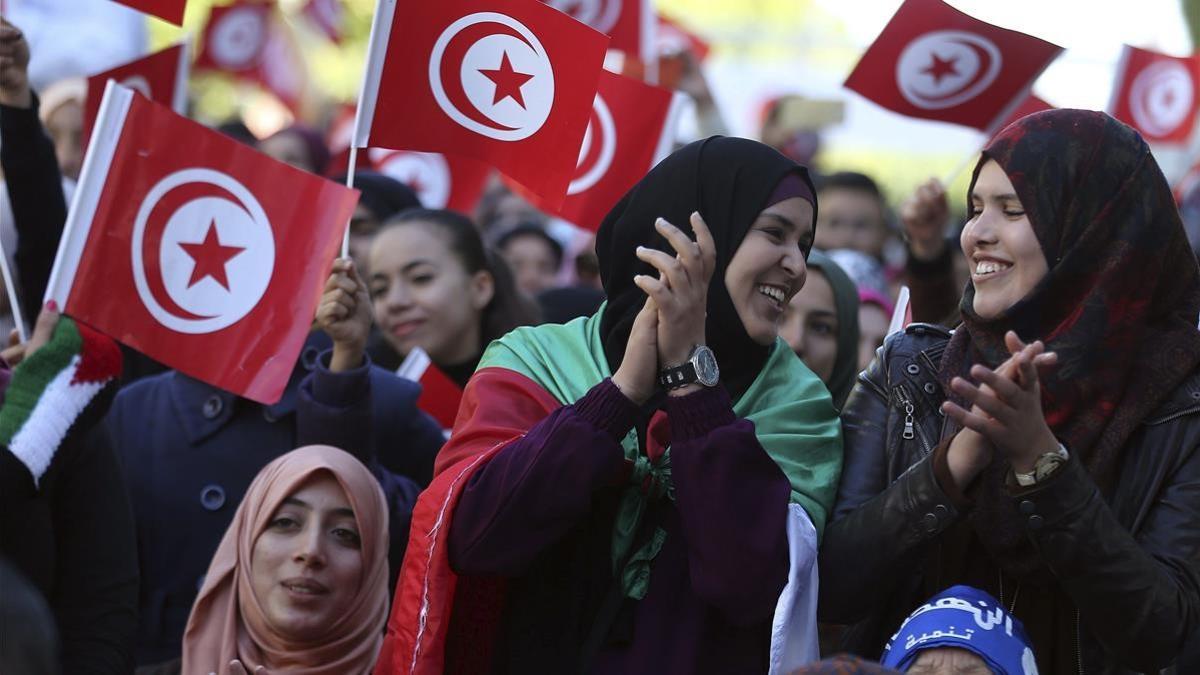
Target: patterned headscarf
1118,304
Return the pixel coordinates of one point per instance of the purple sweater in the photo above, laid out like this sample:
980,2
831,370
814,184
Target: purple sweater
541,513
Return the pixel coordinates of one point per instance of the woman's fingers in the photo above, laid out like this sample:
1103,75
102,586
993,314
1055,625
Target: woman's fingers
656,289
704,240
1013,342
669,268
982,397
970,420
687,250
1004,386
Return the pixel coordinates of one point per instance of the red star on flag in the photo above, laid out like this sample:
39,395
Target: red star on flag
508,81
940,68
210,257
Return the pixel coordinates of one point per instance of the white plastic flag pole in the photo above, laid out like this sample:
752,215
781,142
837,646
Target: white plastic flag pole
349,183
901,316
13,300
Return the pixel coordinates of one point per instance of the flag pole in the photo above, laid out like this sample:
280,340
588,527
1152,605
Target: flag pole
349,184
13,300
960,167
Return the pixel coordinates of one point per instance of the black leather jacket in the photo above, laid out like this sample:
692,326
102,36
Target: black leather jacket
1129,560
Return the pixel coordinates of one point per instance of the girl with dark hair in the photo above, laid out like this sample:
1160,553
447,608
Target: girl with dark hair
435,286
1067,491
641,490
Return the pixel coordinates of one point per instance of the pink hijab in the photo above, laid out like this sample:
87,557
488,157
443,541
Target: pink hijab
227,622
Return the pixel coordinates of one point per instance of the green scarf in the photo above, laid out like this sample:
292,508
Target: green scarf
792,412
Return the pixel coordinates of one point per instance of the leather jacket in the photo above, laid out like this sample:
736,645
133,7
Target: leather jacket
1128,559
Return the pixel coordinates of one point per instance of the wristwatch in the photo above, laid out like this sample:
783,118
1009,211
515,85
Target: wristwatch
701,367
1047,464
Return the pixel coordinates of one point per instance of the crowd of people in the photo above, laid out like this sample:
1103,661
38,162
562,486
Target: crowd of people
693,443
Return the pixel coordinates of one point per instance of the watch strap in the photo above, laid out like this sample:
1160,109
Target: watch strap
678,376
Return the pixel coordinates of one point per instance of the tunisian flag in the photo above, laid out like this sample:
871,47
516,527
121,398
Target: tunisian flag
210,260
1157,94
167,10
161,76
234,38
632,127
440,396
512,85
630,23
934,62
441,181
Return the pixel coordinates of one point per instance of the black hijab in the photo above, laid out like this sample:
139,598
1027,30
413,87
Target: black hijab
728,180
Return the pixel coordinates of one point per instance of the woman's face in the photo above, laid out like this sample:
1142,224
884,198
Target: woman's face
948,661
872,329
65,127
288,148
810,325
768,267
424,297
307,565
532,262
1004,255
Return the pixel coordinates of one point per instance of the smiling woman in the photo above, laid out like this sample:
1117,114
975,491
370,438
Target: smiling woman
299,583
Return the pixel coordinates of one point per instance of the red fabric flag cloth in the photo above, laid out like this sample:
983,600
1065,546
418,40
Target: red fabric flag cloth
1157,94
512,85
632,127
327,16
934,62
1029,105
673,38
161,76
630,23
441,181
281,68
167,10
440,396
210,260
234,38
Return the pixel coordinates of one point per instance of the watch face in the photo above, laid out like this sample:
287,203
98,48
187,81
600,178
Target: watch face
707,372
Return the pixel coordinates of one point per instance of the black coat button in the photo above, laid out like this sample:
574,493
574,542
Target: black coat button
212,497
942,512
930,523
212,407
308,358
913,368
1027,507
930,388
1036,522
269,416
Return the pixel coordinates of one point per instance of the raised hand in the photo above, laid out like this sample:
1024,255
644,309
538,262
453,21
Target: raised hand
637,376
344,313
924,216
14,67
681,290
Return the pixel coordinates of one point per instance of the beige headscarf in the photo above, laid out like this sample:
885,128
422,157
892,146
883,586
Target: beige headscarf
227,622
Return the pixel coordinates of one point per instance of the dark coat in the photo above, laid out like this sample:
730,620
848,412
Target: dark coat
1128,558
190,451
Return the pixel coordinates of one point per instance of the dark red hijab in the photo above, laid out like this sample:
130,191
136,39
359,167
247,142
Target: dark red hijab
1119,303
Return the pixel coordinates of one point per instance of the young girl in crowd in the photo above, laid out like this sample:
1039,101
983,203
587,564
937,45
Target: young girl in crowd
821,325
1066,491
299,582
434,286
639,530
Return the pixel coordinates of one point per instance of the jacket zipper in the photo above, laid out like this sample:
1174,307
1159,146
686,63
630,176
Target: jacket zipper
1078,652
1174,416
910,428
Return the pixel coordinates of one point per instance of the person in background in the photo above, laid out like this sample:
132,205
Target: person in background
299,582
435,286
961,631
381,198
853,215
500,209
874,317
1066,491
933,270
533,256
236,129
65,522
189,451
821,325
62,114
298,145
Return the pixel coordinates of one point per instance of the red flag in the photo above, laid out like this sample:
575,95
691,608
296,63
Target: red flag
630,23
1029,105
632,127
327,16
934,62
511,86
167,10
674,39
161,76
1157,94
209,260
440,395
281,69
440,181
235,37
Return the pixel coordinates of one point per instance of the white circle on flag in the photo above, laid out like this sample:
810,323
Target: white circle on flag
945,68
138,84
238,37
215,256
601,131
501,85
427,173
599,14
1161,98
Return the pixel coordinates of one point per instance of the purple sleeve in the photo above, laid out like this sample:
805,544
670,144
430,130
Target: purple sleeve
540,485
732,500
